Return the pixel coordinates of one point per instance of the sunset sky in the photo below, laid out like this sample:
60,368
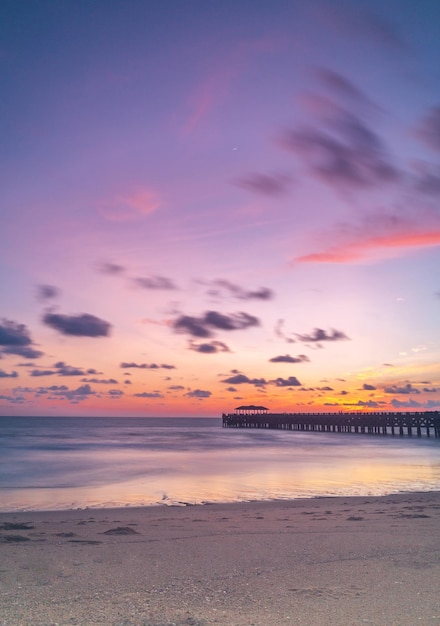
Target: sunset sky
210,204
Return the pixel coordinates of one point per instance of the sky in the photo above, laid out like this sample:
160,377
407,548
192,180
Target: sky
205,205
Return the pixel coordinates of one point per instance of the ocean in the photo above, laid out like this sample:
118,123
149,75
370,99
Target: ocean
56,463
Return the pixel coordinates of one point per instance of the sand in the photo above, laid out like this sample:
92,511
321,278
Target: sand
330,561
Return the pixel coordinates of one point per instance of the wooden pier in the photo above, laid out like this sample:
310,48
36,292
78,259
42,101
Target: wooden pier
418,423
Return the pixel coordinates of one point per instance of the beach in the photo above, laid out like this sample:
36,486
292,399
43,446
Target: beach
331,561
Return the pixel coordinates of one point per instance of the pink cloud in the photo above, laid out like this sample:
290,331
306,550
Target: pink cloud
130,206
370,245
215,89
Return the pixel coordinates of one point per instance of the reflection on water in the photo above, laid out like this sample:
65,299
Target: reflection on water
53,463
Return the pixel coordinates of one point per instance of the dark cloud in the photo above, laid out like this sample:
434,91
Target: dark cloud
62,369
47,292
346,156
279,332
211,347
241,379
199,393
266,184
82,325
155,282
100,381
14,334
429,130
431,390
286,358
368,387
407,404
341,86
371,404
176,387
25,351
319,335
220,286
147,366
145,394
15,339
115,393
113,269
292,381
428,181
407,389
13,399
36,373
235,321
362,22
73,395
194,326
202,326
4,374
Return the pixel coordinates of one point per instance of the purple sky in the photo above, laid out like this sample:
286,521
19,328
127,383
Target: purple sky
209,204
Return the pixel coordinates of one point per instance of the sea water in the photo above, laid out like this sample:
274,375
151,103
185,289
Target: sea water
69,463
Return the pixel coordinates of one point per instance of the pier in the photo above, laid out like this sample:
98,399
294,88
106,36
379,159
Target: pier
408,423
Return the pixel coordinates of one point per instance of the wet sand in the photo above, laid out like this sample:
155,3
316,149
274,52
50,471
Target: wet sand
330,561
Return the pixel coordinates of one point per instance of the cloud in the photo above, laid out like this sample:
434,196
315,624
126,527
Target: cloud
36,373
155,282
100,381
198,393
346,156
286,358
131,206
202,326
363,23
221,286
47,292
13,399
211,347
376,237
342,86
62,369
265,184
427,180
292,381
82,325
407,389
407,404
279,332
429,130
368,387
115,393
320,335
147,366
145,394
14,334
113,269
4,374
15,339
73,395
25,351
241,379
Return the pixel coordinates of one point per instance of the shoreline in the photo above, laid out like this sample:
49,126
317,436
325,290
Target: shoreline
183,504
325,560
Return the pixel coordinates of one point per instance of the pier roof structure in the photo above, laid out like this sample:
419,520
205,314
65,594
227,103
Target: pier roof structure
250,409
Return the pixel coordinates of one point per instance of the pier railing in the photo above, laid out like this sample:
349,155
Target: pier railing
362,422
